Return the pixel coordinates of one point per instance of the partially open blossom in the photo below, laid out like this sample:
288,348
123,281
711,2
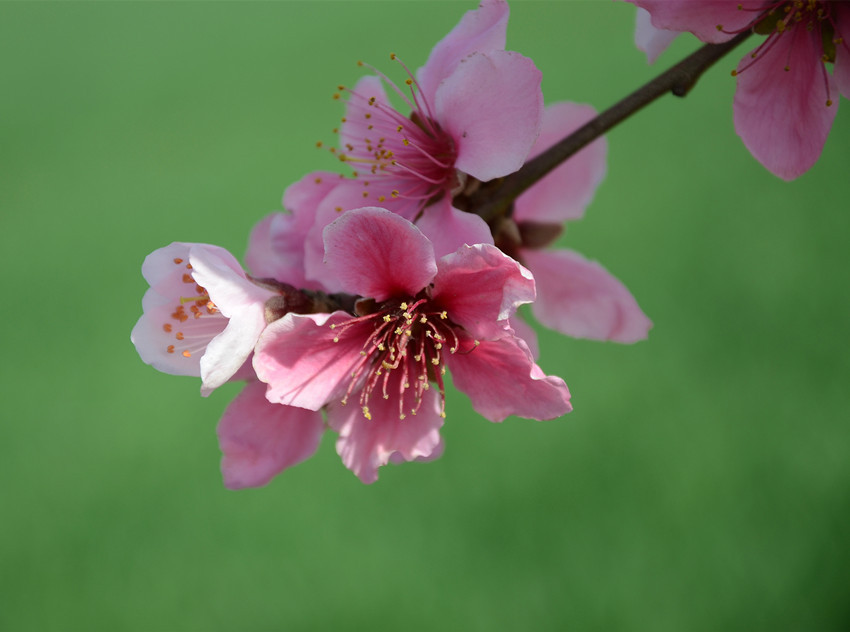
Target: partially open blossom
202,315
475,110
786,99
575,296
380,372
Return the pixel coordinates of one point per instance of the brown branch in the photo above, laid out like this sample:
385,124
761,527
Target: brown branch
494,199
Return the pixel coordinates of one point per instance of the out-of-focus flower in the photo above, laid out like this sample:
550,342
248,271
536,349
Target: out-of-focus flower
786,99
380,373
202,315
575,296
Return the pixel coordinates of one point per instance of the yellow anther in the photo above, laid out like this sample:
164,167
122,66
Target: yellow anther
366,412
403,305
387,318
444,315
398,331
336,338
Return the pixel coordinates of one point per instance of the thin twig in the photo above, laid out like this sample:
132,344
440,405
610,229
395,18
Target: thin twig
493,201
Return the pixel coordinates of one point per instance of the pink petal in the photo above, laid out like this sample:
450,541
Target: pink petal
345,196
481,30
525,331
492,106
582,299
367,444
702,17
299,360
501,379
449,228
782,117
841,69
480,287
379,255
170,276
563,194
356,126
276,245
236,298
649,39
259,440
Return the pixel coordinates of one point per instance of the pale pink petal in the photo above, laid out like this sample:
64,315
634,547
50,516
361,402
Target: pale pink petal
377,254
651,40
492,106
564,193
367,444
702,17
152,341
480,287
258,439
162,335
356,127
481,30
582,299
782,116
302,364
276,245
841,69
449,228
501,379
525,331
236,298
302,197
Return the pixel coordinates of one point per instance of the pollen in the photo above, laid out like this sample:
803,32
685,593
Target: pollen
187,354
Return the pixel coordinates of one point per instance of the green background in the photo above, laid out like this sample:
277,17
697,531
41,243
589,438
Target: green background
700,484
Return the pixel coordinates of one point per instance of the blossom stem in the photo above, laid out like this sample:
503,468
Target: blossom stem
494,200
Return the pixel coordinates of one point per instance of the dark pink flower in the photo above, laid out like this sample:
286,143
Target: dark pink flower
202,315
380,372
475,110
786,99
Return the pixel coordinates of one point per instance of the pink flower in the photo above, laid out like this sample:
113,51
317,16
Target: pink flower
475,111
374,371
202,315
786,100
575,296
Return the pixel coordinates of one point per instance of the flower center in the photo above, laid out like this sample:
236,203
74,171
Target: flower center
404,351
793,19
395,156
195,320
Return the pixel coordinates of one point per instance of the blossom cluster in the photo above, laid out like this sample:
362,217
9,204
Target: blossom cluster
371,285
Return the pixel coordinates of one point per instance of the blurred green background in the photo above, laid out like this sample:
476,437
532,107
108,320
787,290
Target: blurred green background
701,483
